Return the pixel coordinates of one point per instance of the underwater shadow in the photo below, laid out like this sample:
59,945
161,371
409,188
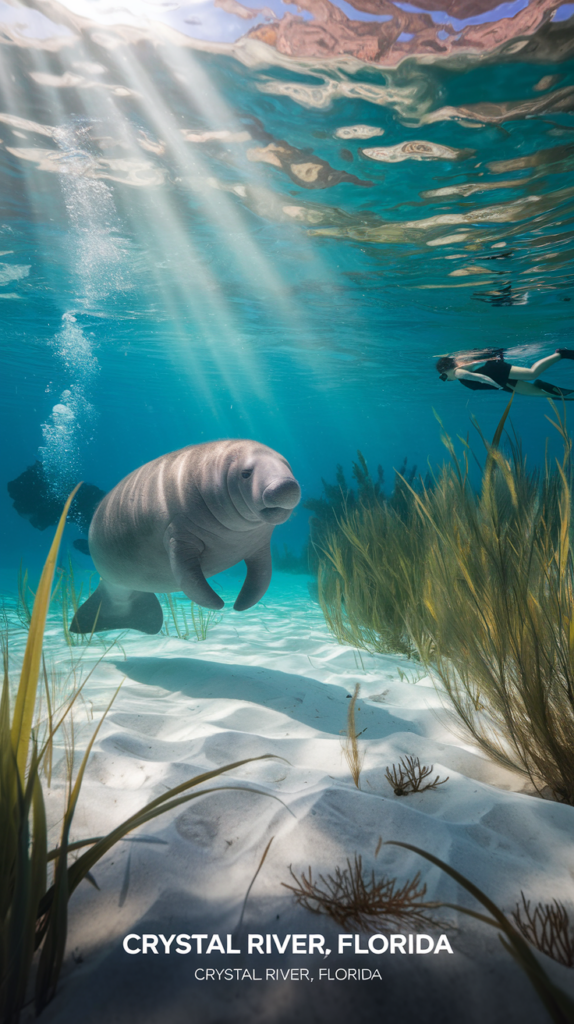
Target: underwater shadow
320,706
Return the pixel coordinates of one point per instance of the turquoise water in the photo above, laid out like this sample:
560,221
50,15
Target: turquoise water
198,242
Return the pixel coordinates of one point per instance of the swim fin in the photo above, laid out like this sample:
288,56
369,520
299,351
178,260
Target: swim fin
553,391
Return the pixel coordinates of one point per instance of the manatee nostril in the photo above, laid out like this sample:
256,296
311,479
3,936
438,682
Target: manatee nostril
284,493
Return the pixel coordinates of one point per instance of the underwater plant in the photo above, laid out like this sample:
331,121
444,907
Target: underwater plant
198,625
353,898
365,543
57,696
71,597
499,608
250,886
353,755
338,500
285,560
558,1003
548,928
341,499
66,594
479,582
341,496
25,594
408,777
368,578
33,913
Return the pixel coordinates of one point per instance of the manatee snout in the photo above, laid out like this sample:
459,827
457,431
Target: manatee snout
284,493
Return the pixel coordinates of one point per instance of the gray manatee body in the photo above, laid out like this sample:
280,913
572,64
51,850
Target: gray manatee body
174,522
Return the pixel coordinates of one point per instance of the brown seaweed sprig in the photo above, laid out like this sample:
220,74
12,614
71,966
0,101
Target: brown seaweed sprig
353,755
356,899
408,776
547,926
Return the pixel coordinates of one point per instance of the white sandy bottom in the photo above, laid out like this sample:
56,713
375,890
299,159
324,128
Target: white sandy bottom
272,681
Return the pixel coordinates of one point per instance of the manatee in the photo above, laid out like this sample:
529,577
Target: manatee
180,519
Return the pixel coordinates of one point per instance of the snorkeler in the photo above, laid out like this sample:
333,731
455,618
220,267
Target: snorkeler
486,369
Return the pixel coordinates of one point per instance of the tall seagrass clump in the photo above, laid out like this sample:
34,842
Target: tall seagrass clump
33,906
369,575
482,582
499,608
337,501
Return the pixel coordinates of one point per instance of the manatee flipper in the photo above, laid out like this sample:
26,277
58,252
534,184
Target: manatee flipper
184,551
111,607
258,578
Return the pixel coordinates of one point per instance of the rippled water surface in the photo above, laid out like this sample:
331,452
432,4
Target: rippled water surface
225,221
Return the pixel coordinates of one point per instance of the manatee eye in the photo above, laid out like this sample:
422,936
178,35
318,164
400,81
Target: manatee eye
246,473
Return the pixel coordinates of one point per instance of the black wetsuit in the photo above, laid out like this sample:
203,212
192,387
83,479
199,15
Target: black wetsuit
497,370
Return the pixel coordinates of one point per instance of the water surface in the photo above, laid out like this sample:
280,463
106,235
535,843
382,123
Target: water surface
226,222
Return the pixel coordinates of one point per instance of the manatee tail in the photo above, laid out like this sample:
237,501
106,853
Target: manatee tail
111,607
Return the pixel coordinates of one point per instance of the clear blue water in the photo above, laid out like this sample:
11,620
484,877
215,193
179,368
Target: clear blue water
195,246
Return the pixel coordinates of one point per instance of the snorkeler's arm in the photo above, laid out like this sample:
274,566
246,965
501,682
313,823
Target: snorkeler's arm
467,375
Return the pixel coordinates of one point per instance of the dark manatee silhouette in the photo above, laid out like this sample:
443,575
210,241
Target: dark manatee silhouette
35,501
174,522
